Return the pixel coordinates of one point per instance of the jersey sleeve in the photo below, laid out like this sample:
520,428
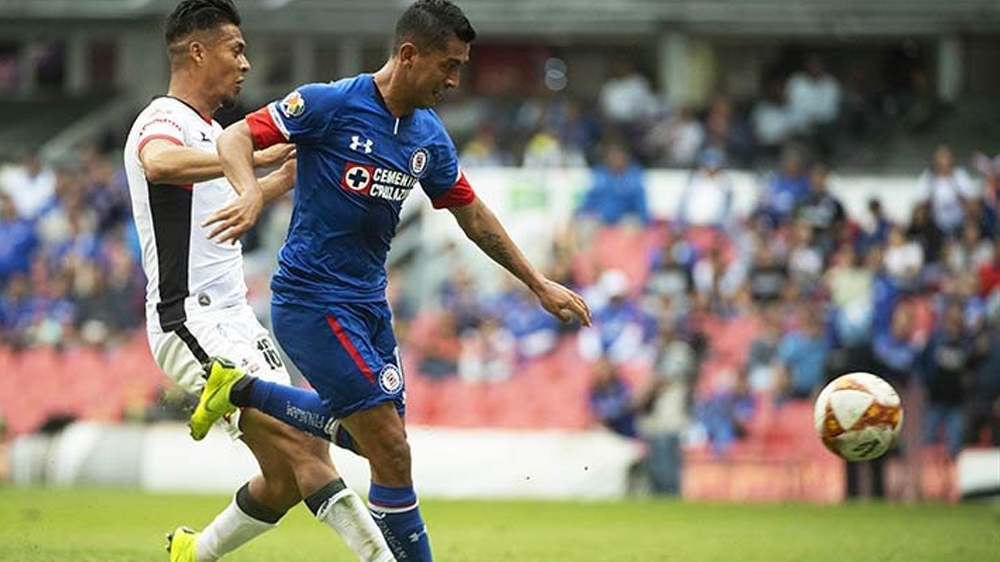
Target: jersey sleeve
446,185
302,116
160,124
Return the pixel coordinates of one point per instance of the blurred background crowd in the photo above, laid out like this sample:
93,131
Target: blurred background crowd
708,323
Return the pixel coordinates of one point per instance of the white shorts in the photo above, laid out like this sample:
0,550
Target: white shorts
233,333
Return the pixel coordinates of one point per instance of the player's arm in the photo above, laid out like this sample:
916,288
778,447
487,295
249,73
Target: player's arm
235,147
166,161
482,227
278,182
300,117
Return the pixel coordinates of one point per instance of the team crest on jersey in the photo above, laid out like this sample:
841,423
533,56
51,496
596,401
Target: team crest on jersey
390,379
293,105
357,177
418,161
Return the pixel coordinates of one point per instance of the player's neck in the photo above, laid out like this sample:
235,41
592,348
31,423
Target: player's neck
189,92
387,83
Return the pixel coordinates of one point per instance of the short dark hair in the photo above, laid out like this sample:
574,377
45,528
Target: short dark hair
429,24
198,15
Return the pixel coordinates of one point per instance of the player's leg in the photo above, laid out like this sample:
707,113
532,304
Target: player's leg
380,433
349,355
229,388
180,354
287,450
293,465
308,458
259,504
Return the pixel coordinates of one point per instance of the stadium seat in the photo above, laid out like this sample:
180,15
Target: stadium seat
617,247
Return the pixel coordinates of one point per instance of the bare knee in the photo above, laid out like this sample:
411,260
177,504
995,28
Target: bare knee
380,434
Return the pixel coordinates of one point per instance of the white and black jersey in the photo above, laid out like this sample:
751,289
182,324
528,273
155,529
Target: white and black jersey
188,274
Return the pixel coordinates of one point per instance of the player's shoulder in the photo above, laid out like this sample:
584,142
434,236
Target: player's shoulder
320,97
431,126
169,111
331,90
157,107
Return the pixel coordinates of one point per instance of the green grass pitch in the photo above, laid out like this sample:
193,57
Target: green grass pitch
114,525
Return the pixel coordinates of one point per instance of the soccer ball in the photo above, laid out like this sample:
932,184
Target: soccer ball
858,416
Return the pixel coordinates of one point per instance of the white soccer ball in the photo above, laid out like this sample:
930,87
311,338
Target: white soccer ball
858,416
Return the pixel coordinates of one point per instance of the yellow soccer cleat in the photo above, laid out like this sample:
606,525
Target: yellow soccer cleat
180,545
214,402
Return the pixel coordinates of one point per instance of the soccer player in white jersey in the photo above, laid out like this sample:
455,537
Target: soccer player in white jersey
196,296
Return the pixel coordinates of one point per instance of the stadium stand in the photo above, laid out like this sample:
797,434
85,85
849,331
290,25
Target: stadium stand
71,291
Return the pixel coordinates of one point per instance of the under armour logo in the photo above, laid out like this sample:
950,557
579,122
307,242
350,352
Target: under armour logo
415,537
204,136
358,145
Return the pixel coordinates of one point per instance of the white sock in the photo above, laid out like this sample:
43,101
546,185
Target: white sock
346,514
228,531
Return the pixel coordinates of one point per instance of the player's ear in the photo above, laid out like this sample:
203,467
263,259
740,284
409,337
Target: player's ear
407,52
197,52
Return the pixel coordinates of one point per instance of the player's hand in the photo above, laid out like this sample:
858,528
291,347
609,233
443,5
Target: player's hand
236,218
273,155
289,168
563,303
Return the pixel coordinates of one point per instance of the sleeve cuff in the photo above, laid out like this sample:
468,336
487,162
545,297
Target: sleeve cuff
264,129
460,195
168,138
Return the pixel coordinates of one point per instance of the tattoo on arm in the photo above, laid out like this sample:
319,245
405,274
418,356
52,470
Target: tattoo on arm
493,244
483,228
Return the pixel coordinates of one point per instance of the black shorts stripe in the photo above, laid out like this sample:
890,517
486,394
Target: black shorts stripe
170,206
192,343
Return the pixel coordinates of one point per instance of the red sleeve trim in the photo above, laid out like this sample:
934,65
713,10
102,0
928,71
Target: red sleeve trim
458,196
145,141
263,128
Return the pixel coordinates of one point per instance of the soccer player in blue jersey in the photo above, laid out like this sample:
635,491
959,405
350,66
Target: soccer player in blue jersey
363,144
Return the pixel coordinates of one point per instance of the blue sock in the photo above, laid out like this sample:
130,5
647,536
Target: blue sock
300,408
397,514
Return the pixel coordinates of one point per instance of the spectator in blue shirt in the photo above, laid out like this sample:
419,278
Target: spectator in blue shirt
611,400
535,332
621,329
17,240
618,192
885,294
18,308
878,233
726,414
895,352
803,353
949,366
786,189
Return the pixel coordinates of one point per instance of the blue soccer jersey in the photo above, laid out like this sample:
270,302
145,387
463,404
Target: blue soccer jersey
357,163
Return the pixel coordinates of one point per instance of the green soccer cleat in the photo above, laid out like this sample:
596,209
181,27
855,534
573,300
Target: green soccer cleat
214,402
180,545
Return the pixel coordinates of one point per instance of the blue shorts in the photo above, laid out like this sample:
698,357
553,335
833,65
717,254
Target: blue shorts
346,351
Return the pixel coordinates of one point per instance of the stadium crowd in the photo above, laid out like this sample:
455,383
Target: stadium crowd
821,292
841,117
